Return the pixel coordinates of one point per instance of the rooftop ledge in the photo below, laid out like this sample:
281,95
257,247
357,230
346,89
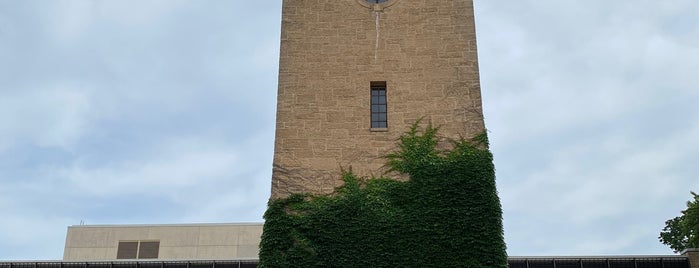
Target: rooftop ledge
169,225
595,257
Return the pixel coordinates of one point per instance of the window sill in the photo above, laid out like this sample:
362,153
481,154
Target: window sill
377,129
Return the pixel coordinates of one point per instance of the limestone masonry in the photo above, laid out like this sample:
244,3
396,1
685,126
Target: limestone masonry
423,54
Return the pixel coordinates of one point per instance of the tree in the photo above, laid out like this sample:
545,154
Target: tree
682,232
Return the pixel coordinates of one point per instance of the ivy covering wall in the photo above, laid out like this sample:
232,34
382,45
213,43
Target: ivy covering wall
447,214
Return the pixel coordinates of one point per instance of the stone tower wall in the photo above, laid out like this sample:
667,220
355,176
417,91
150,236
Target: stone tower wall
426,54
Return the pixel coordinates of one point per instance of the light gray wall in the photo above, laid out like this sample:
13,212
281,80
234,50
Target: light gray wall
177,241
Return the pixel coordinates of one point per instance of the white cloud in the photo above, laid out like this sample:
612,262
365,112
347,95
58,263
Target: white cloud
105,102
177,165
71,21
53,116
33,236
32,232
590,108
590,193
233,200
135,13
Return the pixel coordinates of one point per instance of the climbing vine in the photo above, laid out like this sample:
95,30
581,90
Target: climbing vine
447,214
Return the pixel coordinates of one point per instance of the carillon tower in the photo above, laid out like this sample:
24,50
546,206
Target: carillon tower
355,74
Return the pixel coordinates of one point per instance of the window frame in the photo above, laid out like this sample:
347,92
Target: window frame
139,250
378,106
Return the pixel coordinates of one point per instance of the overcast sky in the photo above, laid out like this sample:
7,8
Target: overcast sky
162,111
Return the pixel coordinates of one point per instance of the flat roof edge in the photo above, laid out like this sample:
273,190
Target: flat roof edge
131,260
257,259
167,225
600,257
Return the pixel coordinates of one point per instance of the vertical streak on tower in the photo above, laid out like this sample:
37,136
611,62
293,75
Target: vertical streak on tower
425,56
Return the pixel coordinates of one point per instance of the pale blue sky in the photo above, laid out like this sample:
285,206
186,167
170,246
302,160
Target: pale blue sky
162,111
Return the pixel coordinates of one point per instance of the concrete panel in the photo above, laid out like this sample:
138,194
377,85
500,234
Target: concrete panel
175,235
250,235
219,235
246,252
177,253
128,233
90,238
89,254
177,241
217,252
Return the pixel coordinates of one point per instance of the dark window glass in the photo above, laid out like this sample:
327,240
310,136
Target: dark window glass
594,263
49,265
138,250
517,264
379,112
176,265
96,265
148,250
123,265
676,263
148,264
203,265
649,263
225,264
567,264
127,250
622,264
541,264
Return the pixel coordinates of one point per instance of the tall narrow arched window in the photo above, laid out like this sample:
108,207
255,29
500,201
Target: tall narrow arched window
379,111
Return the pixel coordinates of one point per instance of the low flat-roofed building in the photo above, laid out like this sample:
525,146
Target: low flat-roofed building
630,261
222,241
235,245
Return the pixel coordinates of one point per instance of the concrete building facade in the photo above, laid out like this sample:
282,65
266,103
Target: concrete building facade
231,245
692,255
233,241
355,74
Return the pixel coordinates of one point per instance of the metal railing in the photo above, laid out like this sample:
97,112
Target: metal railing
514,262
600,262
133,264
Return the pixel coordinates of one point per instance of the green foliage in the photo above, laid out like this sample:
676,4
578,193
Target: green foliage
447,215
682,232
